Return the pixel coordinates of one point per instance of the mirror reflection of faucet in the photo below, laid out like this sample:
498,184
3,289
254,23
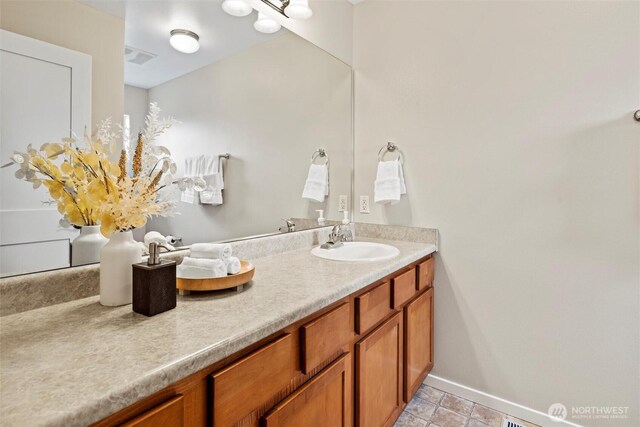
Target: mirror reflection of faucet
291,226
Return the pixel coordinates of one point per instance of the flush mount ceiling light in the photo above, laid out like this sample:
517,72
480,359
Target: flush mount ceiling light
266,25
298,9
236,7
184,41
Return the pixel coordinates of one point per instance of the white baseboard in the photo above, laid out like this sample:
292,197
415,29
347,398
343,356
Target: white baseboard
494,402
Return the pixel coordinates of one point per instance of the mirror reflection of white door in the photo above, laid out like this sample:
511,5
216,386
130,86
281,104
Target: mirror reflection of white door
45,95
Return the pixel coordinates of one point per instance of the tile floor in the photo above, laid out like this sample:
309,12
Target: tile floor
435,408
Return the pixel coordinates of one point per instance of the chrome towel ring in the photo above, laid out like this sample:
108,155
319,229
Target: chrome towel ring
320,153
390,148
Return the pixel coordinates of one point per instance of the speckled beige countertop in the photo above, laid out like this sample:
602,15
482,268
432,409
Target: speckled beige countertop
75,363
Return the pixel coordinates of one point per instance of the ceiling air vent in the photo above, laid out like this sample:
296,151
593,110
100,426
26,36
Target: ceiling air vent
137,56
509,423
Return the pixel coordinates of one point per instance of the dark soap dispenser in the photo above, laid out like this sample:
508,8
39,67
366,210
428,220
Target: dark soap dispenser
154,284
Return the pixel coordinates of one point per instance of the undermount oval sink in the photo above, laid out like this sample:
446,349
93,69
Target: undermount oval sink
358,252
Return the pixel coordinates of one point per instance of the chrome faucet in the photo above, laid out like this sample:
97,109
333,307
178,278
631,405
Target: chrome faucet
291,226
339,233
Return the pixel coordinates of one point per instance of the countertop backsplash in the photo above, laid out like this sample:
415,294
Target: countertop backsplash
31,291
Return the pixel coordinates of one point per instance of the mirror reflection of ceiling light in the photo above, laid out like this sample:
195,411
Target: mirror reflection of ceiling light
295,9
266,25
184,41
236,7
298,9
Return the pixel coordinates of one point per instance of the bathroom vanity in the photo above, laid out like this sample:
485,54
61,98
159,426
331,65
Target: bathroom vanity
332,343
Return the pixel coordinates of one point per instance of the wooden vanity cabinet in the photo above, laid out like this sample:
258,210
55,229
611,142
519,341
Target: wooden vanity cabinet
379,375
418,342
356,362
325,400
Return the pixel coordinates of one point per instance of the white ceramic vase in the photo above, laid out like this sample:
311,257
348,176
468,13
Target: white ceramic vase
85,249
116,274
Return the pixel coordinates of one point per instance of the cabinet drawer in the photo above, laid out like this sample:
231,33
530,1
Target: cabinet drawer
403,287
168,414
252,383
426,273
372,307
325,400
325,337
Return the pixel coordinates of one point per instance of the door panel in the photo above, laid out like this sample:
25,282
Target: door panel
379,375
418,351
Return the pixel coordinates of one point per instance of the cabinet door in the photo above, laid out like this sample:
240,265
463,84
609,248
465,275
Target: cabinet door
169,414
379,375
325,400
418,342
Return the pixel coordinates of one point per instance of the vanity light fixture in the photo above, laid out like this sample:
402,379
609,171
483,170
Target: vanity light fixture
184,41
266,25
236,7
298,9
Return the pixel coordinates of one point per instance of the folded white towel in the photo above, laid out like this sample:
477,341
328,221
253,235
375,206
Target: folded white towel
192,167
212,175
316,187
211,250
233,265
390,183
192,272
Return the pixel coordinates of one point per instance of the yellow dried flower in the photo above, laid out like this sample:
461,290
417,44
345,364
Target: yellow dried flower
137,157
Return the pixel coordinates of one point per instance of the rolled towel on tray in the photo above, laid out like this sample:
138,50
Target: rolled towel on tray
233,265
211,250
200,268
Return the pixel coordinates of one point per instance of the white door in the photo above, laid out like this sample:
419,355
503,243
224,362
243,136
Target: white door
45,95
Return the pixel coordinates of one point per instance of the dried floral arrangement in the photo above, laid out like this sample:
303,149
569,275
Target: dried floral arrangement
90,189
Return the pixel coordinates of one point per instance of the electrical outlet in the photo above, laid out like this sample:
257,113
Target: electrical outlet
342,203
364,204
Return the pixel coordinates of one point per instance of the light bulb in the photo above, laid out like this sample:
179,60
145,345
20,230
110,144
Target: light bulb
236,7
298,9
266,25
184,41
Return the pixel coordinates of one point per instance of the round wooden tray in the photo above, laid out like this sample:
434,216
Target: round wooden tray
232,281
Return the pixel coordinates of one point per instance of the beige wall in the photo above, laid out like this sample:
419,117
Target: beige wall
515,119
270,106
330,27
78,27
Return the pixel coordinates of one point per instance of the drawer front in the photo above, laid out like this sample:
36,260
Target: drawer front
325,400
404,287
325,337
426,273
372,307
168,414
254,382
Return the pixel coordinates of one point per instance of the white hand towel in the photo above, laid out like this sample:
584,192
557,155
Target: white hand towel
213,176
390,183
316,187
191,166
193,272
233,265
211,250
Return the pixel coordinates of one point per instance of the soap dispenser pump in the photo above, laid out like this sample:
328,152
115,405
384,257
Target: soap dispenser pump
154,284
321,220
345,220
